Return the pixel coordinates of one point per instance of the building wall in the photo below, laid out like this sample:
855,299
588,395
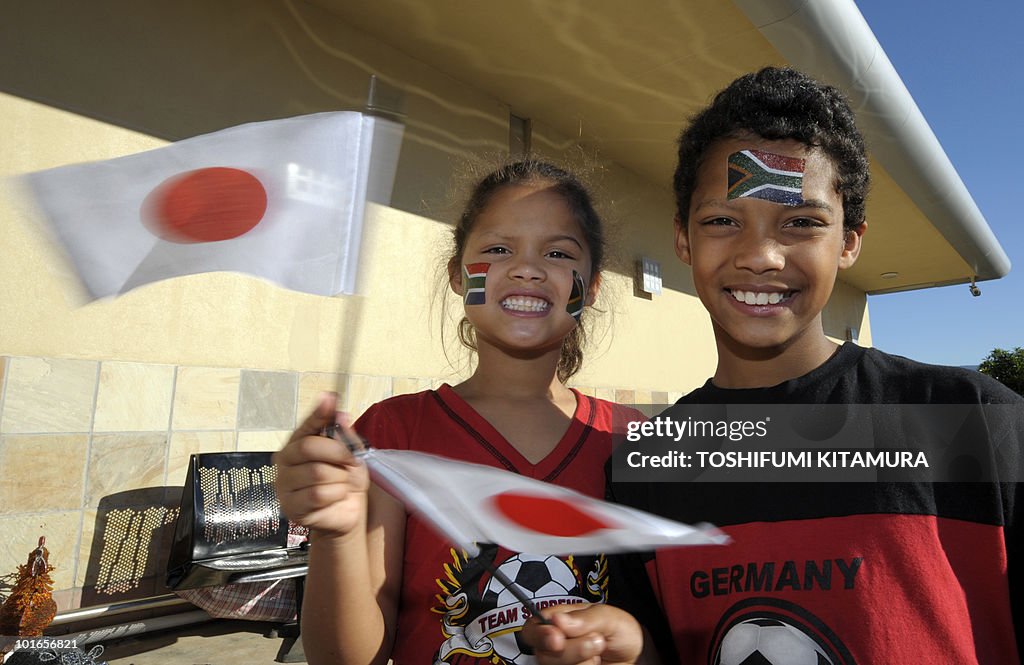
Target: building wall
101,403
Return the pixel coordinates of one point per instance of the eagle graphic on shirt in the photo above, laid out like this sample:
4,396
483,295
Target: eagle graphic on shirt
482,619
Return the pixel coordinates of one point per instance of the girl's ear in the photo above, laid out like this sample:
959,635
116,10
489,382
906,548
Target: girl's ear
593,289
455,276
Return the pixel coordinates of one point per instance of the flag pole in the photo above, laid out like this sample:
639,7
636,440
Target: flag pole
516,591
386,101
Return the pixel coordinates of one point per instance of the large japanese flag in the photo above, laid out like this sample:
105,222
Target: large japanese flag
472,503
282,200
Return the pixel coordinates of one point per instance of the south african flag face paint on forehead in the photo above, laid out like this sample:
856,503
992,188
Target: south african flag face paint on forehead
764,175
577,297
474,276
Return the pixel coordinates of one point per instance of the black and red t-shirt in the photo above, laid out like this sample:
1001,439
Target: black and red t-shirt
843,573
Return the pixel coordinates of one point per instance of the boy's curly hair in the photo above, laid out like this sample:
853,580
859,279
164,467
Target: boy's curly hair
779,103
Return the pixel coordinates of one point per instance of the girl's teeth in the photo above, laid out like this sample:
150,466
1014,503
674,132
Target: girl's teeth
525,304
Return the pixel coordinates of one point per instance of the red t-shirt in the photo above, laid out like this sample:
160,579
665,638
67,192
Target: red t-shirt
450,609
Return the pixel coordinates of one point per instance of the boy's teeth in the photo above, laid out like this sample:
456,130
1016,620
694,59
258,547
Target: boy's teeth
525,304
758,298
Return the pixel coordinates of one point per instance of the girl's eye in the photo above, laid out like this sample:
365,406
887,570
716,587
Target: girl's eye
495,250
559,254
718,221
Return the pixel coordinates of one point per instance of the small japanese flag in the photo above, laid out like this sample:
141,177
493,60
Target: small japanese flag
282,200
472,503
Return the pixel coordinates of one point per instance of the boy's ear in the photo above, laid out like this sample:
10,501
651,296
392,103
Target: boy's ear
593,289
455,276
682,241
852,240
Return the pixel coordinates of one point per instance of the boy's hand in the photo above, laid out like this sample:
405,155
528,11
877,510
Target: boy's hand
319,483
593,634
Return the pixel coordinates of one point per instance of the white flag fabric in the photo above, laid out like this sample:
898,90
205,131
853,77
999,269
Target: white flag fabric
472,503
282,200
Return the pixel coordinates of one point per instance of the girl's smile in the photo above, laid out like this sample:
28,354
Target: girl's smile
526,304
533,245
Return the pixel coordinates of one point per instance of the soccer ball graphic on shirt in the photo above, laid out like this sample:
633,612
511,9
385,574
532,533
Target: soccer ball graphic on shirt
769,642
540,577
773,631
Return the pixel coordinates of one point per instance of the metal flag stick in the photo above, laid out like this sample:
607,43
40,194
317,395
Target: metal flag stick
387,102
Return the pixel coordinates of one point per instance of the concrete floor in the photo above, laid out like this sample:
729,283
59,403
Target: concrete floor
220,642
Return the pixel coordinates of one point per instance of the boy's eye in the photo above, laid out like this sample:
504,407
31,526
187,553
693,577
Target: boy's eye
805,223
559,254
719,225
496,250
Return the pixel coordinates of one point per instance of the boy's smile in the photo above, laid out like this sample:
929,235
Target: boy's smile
765,270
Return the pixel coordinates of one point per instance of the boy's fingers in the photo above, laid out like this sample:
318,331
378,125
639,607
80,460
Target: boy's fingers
585,634
543,637
567,640
554,648
576,620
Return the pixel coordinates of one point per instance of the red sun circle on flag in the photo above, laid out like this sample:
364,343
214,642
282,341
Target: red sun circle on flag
206,205
553,517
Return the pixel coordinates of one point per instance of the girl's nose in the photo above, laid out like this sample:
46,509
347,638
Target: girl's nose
527,268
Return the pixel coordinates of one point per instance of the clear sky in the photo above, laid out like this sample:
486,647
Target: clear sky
962,65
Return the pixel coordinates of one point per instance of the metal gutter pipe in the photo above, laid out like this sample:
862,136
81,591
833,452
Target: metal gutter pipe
831,40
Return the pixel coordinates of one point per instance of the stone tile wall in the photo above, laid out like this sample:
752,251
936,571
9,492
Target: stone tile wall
93,455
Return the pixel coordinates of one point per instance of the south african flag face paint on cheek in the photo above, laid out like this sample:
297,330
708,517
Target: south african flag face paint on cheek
577,297
474,276
764,175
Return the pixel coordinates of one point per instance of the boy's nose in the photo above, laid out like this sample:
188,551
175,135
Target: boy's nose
760,254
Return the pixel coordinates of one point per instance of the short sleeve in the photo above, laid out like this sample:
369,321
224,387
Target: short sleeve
381,427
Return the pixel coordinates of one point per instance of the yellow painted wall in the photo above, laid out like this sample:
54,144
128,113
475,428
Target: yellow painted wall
230,320
848,308
85,84
107,399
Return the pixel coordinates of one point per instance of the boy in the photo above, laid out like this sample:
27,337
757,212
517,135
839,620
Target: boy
770,190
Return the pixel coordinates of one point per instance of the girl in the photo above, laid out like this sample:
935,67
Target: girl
528,251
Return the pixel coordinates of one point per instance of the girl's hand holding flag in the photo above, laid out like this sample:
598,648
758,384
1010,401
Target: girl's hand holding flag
319,483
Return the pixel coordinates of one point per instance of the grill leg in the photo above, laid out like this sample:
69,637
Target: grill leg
291,651
291,648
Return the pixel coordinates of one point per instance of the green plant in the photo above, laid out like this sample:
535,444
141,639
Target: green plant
1006,367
